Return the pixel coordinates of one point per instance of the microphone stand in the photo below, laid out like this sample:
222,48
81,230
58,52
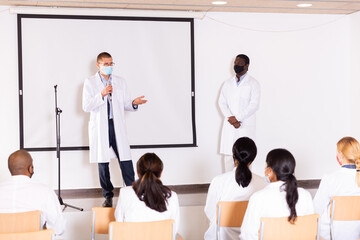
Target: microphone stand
58,111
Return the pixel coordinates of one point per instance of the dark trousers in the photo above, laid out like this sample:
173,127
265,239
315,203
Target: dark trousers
127,169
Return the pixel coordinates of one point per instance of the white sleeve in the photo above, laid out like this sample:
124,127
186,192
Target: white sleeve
91,101
176,211
223,105
119,212
53,214
253,105
322,197
211,201
309,206
251,223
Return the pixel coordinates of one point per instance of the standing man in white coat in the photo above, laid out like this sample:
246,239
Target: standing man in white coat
106,97
239,100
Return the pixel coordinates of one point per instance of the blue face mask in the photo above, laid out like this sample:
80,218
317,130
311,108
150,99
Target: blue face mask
107,70
267,179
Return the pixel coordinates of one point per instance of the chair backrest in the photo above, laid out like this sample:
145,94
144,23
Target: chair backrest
159,230
101,217
305,227
20,222
344,208
47,234
230,214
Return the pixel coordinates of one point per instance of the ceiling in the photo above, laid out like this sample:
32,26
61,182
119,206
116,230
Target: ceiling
263,6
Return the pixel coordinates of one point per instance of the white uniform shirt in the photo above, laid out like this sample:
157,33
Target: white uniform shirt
241,101
129,208
340,183
21,194
271,202
225,188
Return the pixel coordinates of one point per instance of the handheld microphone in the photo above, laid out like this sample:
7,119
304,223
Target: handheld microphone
110,94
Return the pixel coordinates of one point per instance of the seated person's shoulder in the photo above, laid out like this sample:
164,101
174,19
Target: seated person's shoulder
127,191
40,186
304,193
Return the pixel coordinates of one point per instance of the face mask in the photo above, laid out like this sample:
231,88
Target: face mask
238,69
31,173
267,179
107,70
338,161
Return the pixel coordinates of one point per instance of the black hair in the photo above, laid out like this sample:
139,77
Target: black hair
282,162
246,58
103,55
244,152
149,187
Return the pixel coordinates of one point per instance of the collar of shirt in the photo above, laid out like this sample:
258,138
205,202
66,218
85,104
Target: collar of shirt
103,80
22,178
241,78
277,184
350,166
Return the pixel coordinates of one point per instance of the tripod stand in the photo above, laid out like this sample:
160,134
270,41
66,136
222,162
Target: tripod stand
58,111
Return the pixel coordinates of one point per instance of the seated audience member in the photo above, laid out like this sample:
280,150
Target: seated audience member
236,185
148,199
343,182
21,194
281,198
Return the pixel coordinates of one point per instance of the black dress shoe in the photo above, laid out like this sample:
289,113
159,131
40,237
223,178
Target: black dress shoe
107,202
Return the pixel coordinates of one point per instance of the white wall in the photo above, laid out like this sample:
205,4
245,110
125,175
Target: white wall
354,94
305,77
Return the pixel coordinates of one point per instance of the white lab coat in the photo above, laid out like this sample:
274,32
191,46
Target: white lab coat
21,194
242,102
339,183
98,124
225,188
271,202
129,208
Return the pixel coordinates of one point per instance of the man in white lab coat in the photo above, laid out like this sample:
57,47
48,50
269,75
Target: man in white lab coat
239,100
21,194
106,97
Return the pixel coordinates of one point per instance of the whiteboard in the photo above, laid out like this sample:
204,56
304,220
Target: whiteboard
154,55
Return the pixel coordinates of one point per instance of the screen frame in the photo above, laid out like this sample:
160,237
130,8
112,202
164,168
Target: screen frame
120,18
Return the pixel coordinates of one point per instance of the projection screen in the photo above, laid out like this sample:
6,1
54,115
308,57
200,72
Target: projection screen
154,55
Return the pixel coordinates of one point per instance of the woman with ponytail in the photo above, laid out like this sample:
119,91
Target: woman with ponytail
148,199
343,182
281,198
236,185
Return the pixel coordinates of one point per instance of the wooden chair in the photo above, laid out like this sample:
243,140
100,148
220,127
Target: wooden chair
305,227
344,208
20,222
230,214
101,217
158,230
37,235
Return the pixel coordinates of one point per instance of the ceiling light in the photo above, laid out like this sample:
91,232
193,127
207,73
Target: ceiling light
219,2
303,5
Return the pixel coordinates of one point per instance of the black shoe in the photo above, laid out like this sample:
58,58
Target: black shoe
107,202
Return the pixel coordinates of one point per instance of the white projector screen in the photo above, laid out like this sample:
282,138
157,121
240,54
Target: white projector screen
154,55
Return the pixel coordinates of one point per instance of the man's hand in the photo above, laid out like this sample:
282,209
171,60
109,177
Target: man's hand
139,100
232,120
237,124
108,89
